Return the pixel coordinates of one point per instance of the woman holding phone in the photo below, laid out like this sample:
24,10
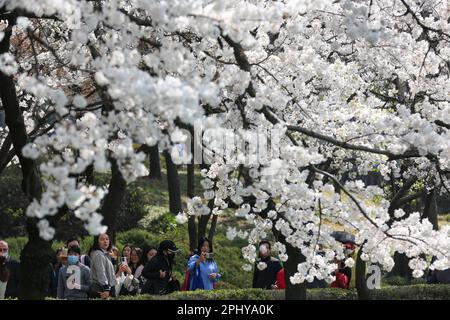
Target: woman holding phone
103,278
202,268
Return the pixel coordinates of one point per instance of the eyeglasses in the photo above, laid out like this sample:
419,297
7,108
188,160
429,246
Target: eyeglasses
4,250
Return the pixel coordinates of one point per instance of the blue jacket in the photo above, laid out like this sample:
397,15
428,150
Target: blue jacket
206,268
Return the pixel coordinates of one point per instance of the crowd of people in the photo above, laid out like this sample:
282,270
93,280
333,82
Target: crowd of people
105,272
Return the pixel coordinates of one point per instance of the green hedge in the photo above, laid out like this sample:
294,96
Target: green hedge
401,281
222,294
413,292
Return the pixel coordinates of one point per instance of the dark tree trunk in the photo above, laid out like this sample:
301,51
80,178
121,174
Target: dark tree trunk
212,229
173,184
191,169
155,166
5,153
202,225
113,200
293,291
203,221
36,255
360,278
89,174
192,224
401,267
430,210
35,261
191,180
6,160
192,229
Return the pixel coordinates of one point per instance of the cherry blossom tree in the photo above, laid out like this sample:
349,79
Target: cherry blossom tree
333,86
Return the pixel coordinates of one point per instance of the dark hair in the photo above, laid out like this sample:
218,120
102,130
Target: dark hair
91,249
145,250
70,240
201,241
265,242
96,246
123,249
139,263
74,249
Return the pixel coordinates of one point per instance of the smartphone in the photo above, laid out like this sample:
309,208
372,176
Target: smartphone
209,255
124,260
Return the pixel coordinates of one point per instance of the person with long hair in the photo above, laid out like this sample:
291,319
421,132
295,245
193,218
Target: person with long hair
126,251
148,253
135,263
202,267
103,276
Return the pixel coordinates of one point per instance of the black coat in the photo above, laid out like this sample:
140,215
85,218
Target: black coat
12,288
264,279
155,284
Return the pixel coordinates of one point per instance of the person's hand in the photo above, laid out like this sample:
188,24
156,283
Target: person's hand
202,257
104,294
162,274
213,276
125,268
274,286
77,286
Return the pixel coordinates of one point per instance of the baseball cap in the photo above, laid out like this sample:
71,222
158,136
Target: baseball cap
168,245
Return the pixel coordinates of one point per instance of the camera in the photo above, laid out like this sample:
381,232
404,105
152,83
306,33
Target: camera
209,255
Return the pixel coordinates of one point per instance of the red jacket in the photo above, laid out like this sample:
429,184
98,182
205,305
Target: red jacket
185,286
280,280
341,281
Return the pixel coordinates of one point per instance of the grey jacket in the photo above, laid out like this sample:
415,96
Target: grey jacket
102,270
73,294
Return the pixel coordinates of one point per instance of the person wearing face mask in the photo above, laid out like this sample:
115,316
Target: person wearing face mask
84,259
103,277
266,268
73,279
12,286
158,271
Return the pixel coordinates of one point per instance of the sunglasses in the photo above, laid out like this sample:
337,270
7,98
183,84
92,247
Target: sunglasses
4,250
